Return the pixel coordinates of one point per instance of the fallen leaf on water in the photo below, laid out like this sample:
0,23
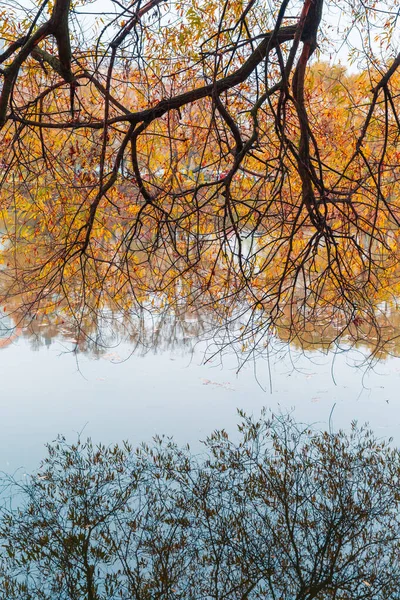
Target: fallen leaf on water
111,356
225,384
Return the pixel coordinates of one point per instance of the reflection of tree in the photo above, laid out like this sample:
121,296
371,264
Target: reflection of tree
8,332
174,321
167,330
287,512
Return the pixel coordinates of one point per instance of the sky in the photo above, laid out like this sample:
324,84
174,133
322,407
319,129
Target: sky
336,16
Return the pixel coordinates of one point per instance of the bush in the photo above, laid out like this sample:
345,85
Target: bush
286,513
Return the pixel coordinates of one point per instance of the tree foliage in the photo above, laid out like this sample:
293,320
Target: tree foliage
178,154
287,512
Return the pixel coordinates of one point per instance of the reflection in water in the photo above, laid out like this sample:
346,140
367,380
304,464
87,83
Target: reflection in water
244,330
165,331
8,331
286,512
236,297
179,388
240,288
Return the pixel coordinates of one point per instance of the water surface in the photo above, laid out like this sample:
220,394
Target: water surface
48,390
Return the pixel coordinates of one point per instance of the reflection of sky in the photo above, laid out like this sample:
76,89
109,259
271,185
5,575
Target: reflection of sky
43,393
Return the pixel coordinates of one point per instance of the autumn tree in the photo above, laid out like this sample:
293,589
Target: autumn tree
178,154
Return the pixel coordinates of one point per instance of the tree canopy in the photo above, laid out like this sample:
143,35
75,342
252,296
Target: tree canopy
210,156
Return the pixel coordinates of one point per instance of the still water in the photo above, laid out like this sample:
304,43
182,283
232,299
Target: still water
47,389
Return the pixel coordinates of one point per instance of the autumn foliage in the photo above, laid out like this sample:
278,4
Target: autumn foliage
205,155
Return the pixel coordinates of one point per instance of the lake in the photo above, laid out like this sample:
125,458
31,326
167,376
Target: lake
48,389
